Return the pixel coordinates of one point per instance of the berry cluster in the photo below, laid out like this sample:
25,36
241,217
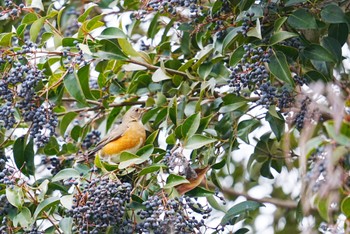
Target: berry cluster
172,6
176,161
247,24
91,139
303,113
73,24
163,215
250,72
101,204
17,89
285,99
300,80
11,9
293,42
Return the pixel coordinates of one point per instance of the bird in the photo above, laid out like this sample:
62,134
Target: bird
129,136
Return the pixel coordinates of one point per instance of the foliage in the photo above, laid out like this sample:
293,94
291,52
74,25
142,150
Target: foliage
219,77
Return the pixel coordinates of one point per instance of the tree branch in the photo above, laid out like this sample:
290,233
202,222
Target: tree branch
288,204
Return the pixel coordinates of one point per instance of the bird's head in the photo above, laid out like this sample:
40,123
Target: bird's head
134,114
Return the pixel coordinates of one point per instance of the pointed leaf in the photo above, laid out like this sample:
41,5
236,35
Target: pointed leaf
279,68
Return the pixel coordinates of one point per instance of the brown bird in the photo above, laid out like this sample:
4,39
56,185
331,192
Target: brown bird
129,136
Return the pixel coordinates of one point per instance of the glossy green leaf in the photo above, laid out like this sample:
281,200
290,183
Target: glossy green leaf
190,125
198,141
112,33
29,18
230,37
318,53
245,127
339,32
72,84
66,174
66,225
83,17
174,180
66,120
236,56
15,196
151,169
84,80
29,158
276,121
302,19
35,28
279,68
333,14
345,206
278,23
342,137
240,209
281,36
153,27
46,205
332,46
18,151
199,192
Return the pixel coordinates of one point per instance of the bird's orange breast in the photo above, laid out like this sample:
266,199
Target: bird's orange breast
132,139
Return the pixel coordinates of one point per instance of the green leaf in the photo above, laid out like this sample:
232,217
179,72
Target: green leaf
345,206
219,165
72,84
302,19
236,56
29,18
190,125
198,141
83,17
152,137
35,28
111,117
174,180
66,174
84,80
112,33
153,27
265,169
24,217
185,43
240,209
245,127
230,37
199,192
66,120
314,76
15,196
281,36
66,225
110,50
204,70
276,122
52,147
242,231
128,159
318,53
29,158
18,152
278,23
151,169
333,14
45,205
160,75
333,47
279,68
127,48
256,31
339,32
245,4
233,107
342,137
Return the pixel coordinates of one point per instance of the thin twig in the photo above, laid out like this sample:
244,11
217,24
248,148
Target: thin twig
288,204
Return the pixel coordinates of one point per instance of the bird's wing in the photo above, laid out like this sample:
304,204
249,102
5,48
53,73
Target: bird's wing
112,136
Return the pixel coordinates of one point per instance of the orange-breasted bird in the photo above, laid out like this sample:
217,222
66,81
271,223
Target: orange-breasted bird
129,136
